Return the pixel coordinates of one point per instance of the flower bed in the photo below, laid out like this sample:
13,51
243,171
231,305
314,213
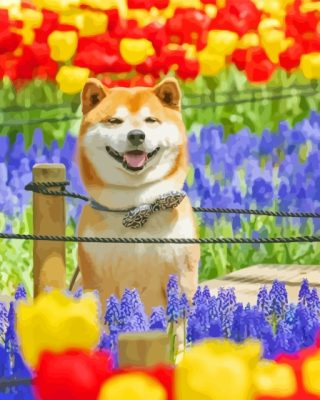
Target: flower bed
60,39
61,333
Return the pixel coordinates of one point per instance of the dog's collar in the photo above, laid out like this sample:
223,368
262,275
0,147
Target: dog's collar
136,217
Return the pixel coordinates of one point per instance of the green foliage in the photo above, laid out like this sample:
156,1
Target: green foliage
39,104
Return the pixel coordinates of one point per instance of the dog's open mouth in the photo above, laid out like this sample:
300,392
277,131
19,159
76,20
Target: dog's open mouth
134,160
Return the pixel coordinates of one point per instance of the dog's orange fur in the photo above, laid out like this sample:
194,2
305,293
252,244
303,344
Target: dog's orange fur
148,267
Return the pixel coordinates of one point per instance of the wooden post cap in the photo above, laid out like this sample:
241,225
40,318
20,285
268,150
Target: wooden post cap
49,219
143,349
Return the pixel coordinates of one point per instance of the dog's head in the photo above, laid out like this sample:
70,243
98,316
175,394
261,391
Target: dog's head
131,137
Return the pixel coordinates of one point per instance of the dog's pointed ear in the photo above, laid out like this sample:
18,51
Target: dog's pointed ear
92,93
169,93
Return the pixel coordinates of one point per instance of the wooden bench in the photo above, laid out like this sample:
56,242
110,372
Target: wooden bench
247,281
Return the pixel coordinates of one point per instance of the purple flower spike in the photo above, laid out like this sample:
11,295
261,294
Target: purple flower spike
304,291
263,301
21,293
158,319
184,307
112,316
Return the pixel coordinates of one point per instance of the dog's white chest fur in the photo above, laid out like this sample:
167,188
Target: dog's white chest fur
131,263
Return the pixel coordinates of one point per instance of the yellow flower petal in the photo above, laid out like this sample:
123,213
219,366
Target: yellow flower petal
222,42
56,5
62,45
272,379
88,22
206,370
210,63
310,65
135,51
274,42
132,386
248,40
311,373
56,322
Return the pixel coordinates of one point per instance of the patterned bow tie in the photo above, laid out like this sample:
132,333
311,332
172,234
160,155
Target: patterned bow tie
138,216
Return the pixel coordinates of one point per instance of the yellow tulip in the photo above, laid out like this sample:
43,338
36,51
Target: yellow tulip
186,3
28,36
310,65
210,10
268,24
120,5
206,371
310,6
274,42
222,42
62,45
56,5
311,373
210,63
248,40
32,19
135,51
272,379
56,322
133,386
88,22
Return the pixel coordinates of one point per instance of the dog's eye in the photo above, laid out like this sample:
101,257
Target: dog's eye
115,121
151,120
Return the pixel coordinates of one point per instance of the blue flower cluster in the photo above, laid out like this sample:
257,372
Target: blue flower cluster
277,169
280,326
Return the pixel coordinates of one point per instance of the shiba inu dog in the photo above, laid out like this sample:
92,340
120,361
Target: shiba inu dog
132,152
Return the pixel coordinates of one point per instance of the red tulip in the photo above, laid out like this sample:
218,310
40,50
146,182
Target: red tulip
49,24
258,67
290,58
71,375
9,41
153,65
189,69
107,44
237,16
99,59
299,23
187,26
171,57
156,33
147,4
239,58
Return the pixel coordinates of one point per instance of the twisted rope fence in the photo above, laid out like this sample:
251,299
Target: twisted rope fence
49,226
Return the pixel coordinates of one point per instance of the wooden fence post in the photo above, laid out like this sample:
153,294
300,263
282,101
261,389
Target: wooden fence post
48,219
143,349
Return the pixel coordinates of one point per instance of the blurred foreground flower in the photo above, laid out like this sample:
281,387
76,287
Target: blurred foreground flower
72,375
217,370
54,322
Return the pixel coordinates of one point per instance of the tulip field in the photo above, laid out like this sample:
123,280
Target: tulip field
249,72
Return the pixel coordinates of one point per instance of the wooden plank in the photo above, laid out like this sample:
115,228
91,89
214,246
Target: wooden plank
143,349
247,281
49,259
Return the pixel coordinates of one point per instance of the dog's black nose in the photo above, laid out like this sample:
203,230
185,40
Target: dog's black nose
136,137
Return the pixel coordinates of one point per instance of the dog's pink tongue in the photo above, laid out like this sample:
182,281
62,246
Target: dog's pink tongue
135,160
